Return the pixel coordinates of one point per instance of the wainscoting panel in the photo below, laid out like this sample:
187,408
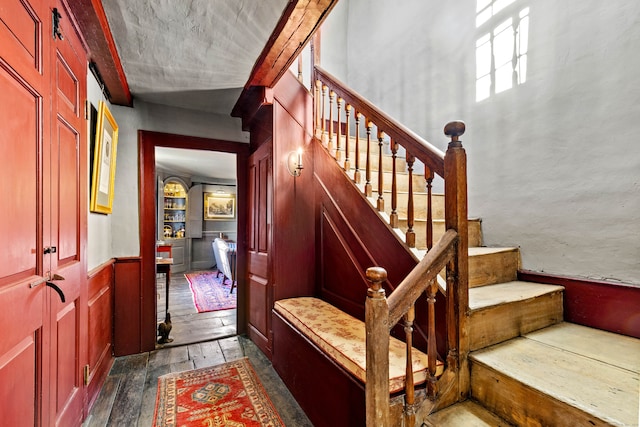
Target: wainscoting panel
127,331
100,338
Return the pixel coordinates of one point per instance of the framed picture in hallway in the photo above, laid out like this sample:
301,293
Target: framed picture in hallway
104,161
218,206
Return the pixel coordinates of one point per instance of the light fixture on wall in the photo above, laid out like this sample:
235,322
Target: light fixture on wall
294,162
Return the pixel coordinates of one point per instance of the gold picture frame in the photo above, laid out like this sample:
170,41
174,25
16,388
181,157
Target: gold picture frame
219,207
104,161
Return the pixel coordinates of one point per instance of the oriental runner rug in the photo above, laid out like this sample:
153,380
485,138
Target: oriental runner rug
209,291
224,395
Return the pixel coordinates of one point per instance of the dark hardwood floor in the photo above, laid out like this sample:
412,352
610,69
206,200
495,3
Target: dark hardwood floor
129,393
200,339
189,326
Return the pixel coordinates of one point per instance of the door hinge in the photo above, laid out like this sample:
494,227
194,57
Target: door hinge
86,109
86,374
57,32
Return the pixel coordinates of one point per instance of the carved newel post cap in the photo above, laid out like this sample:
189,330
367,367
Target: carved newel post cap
376,274
454,129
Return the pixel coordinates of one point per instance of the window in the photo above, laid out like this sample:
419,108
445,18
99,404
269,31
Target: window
501,53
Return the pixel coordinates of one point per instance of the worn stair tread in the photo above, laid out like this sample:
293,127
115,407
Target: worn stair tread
484,250
543,361
465,414
504,293
614,349
474,251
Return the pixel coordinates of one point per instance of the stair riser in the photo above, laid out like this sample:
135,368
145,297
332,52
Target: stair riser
419,205
402,183
493,268
420,228
500,323
523,405
387,161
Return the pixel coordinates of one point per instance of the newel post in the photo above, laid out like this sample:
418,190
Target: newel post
455,175
377,347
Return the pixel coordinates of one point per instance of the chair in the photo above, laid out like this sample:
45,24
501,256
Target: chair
221,253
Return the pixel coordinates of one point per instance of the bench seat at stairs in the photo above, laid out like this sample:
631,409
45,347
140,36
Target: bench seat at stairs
319,348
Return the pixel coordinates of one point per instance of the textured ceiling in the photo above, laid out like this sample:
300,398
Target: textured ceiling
195,54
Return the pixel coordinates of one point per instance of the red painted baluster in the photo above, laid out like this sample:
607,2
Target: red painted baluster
428,175
324,116
409,408
393,219
368,191
347,135
411,234
332,95
317,111
356,175
432,348
380,172
338,155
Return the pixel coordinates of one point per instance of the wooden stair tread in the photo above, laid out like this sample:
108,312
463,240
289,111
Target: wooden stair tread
552,368
475,251
483,250
505,293
465,414
616,350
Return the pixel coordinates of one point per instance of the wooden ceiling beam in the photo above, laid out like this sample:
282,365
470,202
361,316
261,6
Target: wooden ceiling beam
93,24
297,24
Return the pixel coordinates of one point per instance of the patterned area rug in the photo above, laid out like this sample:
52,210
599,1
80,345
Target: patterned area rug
224,395
209,292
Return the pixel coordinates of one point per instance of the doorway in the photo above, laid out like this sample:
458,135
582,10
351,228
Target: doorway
198,300
152,145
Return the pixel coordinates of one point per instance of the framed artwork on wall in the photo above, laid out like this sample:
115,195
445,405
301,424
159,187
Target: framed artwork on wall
219,206
104,161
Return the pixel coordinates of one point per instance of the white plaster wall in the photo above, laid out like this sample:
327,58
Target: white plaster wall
99,225
554,164
152,117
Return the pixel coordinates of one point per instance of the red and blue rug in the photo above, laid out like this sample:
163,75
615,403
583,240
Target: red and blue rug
209,291
224,395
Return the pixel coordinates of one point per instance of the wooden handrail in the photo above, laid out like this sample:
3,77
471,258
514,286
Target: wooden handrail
449,253
426,152
408,291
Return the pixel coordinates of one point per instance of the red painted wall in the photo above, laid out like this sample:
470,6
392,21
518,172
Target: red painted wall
608,306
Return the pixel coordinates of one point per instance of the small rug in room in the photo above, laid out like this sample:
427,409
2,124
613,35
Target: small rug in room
209,292
224,395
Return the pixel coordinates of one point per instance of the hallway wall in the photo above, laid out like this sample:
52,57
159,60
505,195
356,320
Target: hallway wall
144,116
554,165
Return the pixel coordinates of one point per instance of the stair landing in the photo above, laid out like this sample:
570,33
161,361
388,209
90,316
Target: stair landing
465,414
563,375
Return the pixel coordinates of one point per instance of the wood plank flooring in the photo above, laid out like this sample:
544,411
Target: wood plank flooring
588,376
189,326
128,395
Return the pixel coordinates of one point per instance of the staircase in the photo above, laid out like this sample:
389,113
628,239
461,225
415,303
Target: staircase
528,367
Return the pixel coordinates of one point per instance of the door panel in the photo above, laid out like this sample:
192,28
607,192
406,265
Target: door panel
25,108
260,287
43,85
68,209
21,34
22,103
68,201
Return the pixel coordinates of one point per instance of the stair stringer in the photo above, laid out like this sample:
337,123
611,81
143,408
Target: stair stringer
380,245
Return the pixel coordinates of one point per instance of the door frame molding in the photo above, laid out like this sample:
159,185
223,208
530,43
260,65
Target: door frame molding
147,141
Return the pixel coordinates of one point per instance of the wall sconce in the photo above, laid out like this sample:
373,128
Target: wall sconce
294,162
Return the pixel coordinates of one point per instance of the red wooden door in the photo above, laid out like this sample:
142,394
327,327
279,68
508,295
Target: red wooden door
65,184
44,177
260,287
